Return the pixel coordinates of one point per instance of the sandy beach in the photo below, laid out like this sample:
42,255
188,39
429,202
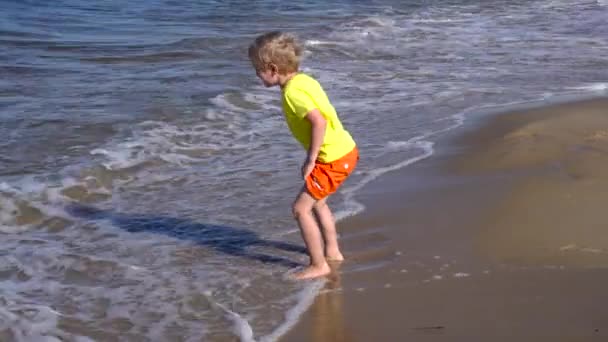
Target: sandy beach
499,236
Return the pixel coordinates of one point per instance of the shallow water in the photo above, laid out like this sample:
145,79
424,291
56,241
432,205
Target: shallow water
146,175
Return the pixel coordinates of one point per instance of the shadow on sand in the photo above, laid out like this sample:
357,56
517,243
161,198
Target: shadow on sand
224,239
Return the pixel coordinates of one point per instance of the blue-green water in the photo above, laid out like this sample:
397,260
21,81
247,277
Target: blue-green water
148,114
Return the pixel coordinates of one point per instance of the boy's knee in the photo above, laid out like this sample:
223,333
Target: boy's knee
320,205
298,210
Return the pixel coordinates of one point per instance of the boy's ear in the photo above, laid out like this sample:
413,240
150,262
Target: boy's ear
273,67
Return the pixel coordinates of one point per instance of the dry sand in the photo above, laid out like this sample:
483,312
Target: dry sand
502,237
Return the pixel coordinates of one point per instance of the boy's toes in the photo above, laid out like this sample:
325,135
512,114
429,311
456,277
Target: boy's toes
312,272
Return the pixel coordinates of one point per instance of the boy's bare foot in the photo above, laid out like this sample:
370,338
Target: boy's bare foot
312,272
334,257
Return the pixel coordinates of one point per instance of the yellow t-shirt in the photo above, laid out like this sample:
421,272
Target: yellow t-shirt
303,94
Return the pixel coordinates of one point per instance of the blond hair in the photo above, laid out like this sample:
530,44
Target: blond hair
279,48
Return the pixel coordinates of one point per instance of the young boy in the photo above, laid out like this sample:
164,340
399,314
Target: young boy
332,152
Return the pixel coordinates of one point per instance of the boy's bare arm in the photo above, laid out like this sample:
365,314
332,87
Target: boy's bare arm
319,124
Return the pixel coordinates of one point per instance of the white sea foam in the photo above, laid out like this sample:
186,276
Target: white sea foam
29,322
162,142
225,105
593,87
241,327
306,298
30,200
313,42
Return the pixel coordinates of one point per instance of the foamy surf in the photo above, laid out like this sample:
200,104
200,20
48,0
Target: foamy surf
241,327
593,87
306,298
31,322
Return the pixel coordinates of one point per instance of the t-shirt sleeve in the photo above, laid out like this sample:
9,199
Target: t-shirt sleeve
300,102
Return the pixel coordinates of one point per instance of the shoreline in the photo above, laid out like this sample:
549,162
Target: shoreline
402,250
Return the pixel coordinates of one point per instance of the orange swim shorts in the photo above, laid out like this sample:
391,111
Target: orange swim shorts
325,178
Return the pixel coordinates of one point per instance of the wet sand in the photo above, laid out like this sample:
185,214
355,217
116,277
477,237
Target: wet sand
502,235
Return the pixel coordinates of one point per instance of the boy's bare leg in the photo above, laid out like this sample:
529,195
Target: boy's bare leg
328,224
302,211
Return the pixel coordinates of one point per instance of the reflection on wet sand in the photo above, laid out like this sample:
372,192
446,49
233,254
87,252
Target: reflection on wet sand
327,312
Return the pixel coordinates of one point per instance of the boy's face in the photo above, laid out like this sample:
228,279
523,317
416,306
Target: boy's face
269,77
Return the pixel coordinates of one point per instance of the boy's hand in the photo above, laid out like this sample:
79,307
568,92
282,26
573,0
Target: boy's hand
307,168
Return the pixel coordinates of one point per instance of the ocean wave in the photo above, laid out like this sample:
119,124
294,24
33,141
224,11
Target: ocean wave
173,56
